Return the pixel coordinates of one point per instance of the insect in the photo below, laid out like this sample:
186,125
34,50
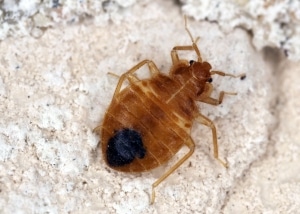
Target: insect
149,120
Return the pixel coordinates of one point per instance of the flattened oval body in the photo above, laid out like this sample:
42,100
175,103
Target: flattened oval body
141,130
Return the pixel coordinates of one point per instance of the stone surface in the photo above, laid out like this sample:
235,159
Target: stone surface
54,90
272,184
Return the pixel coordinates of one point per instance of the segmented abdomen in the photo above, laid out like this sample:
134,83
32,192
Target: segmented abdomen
137,108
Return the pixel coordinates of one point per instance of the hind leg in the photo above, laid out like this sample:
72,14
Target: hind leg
189,143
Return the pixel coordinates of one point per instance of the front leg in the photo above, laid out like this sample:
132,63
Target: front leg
206,94
205,97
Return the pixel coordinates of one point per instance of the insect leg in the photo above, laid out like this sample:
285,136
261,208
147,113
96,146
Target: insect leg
205,98
130,73
207,122
189,143
193,47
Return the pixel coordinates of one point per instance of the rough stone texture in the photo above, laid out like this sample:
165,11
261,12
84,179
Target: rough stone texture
54,90
272,23
272,184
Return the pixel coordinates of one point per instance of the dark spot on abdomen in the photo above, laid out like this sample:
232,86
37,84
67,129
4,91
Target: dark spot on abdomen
124,147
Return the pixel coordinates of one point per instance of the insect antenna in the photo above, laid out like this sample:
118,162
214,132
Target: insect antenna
193,41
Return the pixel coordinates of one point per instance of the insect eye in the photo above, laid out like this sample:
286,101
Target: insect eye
210,80
192,62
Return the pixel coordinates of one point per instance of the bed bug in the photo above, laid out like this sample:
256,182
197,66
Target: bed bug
150,120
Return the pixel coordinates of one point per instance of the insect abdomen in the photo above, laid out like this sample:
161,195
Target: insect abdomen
123,147
136,111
